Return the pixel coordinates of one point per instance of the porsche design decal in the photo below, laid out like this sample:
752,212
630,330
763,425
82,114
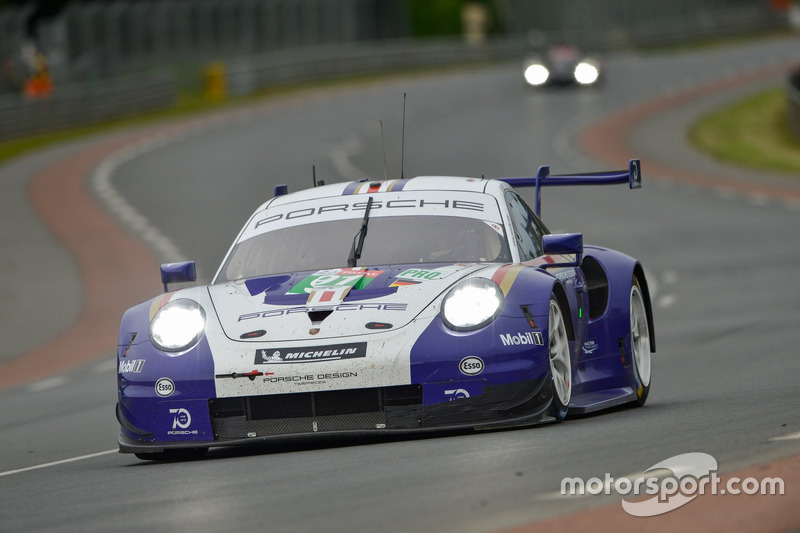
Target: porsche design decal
310,379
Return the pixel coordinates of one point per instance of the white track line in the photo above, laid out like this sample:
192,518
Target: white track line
790,436
45,384
56,463
105,366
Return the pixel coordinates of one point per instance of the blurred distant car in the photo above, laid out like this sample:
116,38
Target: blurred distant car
562,64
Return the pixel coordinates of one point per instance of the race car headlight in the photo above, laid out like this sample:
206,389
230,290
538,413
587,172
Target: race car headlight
536,74
178,326
472,304
586,73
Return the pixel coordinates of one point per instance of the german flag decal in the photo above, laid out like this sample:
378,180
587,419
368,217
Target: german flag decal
365,187
506,275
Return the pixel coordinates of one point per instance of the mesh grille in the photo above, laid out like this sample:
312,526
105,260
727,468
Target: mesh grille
309,412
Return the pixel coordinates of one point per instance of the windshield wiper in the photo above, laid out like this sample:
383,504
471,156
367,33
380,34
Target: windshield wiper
358,240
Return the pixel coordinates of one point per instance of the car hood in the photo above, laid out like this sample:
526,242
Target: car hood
331,303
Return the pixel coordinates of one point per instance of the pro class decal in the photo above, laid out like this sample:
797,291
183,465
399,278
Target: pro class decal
471,366
311,354
415,276
419,273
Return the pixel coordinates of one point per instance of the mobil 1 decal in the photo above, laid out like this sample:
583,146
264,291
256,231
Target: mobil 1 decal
527,337
311,354
355,278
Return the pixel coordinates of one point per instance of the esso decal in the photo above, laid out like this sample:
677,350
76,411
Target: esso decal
471,366
165,387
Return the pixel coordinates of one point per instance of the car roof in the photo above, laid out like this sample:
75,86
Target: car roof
419,183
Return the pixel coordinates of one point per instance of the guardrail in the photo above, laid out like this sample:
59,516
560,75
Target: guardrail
793,101
106,99
87,103
250,73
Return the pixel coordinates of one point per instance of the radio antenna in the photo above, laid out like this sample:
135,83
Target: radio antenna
403,138
314,174
383,145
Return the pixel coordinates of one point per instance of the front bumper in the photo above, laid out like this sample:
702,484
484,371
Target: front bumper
386,410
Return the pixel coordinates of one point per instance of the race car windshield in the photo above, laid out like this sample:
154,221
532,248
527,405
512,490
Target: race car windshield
391,240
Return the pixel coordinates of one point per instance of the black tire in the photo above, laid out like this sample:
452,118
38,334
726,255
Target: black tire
560,360
640,342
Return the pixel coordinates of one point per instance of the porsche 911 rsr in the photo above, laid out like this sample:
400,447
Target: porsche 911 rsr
387,306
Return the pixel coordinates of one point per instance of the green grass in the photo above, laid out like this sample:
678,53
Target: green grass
753,132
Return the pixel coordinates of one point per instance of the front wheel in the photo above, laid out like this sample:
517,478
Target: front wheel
640,342
560,362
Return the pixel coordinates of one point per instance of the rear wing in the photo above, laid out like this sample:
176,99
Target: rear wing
632,176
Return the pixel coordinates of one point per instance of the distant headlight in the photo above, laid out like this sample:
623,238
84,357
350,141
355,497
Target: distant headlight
178,326
472,304
586,73
536,74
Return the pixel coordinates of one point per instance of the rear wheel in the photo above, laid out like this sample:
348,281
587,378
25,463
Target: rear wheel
640,342
560,363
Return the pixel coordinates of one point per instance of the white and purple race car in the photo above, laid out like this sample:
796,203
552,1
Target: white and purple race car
387,306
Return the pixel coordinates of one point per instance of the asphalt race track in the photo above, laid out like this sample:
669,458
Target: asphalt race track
723,260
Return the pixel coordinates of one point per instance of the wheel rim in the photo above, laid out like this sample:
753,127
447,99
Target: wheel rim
640,336
560,366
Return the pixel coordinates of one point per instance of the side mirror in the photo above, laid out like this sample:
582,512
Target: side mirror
563,244
178,273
